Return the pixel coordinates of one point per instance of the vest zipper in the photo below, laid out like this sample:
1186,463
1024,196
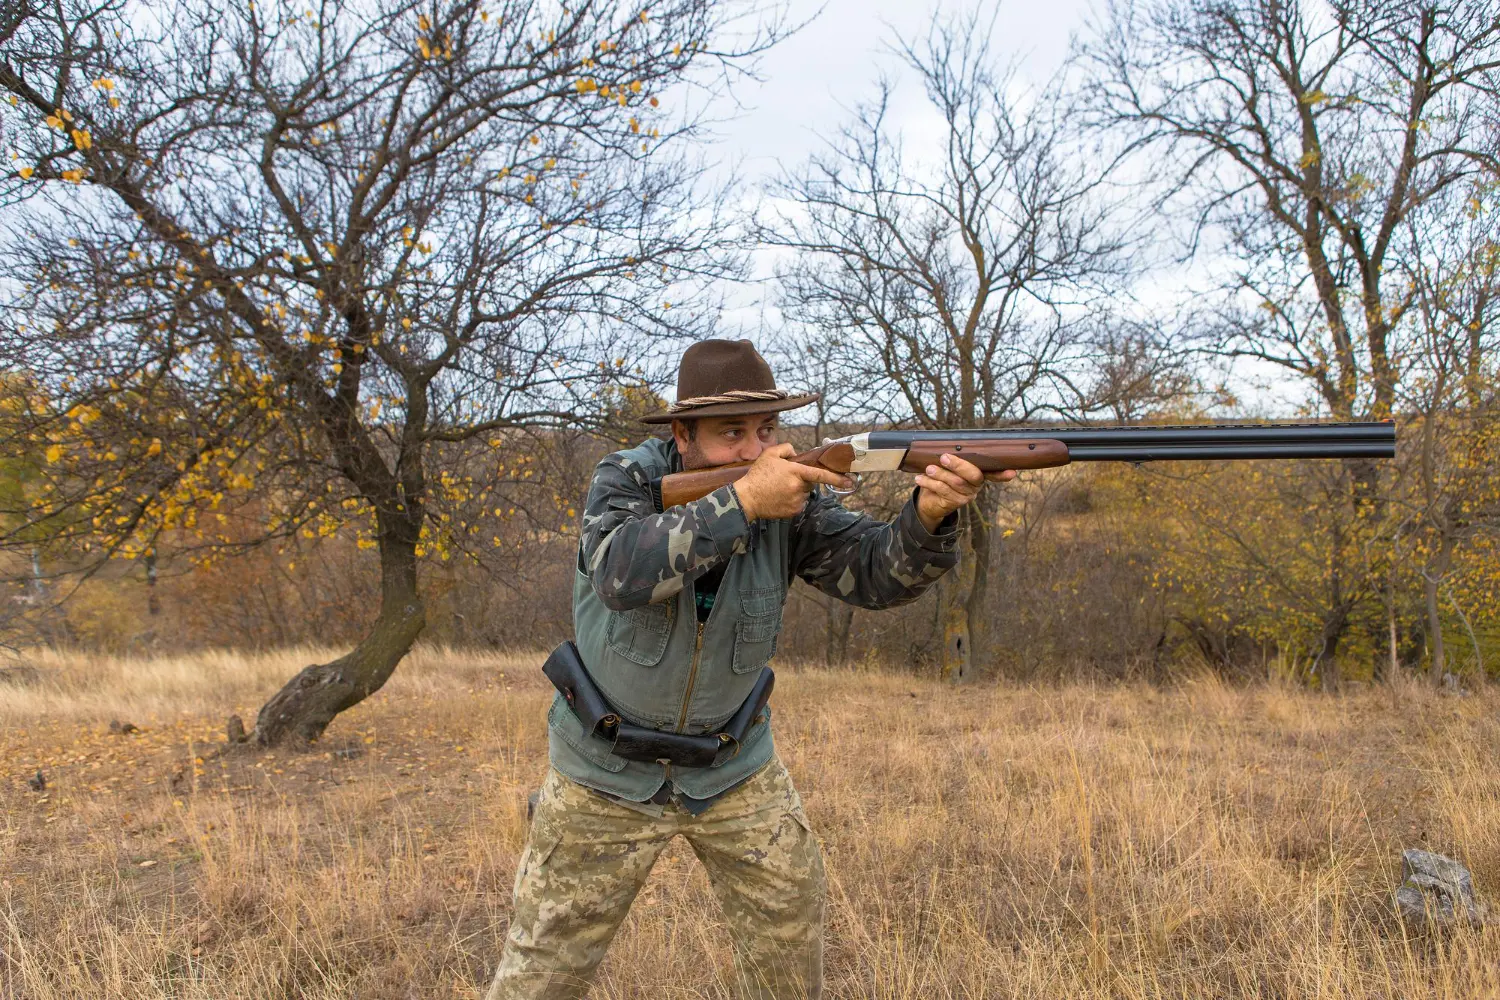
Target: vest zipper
692,678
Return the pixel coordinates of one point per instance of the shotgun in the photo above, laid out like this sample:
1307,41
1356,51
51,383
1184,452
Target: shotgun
1048,447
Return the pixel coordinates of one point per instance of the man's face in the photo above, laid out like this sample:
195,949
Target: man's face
722,440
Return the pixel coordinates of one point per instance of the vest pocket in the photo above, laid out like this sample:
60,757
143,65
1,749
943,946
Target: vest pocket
562,721
756,631
641,634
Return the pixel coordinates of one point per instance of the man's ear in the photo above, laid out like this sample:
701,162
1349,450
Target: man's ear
680,434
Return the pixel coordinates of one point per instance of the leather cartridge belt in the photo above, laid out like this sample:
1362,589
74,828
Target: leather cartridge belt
565,669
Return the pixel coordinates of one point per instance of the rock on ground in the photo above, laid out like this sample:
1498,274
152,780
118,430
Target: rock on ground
1436,889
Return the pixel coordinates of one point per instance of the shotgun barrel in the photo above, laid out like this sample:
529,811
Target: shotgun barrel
1367,439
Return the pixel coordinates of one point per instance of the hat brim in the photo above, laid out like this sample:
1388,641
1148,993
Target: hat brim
735,409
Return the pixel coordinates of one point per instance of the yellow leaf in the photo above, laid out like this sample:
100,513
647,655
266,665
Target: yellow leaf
26,173
54,454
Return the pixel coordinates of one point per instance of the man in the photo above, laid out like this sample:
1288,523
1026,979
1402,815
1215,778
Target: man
675,614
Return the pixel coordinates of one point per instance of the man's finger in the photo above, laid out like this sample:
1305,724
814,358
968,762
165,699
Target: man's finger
818,474
953,479
943,491
965,469
1003,476
782,450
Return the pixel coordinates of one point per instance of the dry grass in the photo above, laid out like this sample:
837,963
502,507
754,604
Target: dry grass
989,842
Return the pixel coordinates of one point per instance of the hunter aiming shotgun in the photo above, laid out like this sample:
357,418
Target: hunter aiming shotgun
661,724
1024,448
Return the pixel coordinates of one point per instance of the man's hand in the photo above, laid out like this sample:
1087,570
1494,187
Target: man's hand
945,489
775,488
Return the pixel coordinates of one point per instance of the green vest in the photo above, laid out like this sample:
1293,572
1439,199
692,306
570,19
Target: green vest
658,667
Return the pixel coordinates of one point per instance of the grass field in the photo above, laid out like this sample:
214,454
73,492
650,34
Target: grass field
984,842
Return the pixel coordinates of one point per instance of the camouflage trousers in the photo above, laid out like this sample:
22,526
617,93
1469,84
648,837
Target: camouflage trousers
587,857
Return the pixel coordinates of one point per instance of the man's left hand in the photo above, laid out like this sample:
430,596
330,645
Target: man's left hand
950,486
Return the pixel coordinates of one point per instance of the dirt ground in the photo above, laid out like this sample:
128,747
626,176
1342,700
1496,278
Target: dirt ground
1128,842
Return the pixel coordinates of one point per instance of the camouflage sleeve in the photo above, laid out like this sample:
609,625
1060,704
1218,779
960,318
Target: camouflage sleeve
869,563
635,556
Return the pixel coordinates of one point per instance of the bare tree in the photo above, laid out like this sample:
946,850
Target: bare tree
1454,497
306,255
948,284
1310,135
1302,141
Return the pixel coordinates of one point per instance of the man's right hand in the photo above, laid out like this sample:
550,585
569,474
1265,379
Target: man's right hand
775,488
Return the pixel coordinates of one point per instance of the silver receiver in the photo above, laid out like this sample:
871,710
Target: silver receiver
867,459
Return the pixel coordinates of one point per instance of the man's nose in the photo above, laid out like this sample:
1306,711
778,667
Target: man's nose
750,449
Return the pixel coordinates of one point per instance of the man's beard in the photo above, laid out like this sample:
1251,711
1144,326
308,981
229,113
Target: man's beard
692,457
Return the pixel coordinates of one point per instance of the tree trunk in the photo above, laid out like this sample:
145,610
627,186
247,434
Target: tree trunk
956,646
1435,630
1326,662
1393,661
976,607
963,620
309,701
153,602
1436,570
836,644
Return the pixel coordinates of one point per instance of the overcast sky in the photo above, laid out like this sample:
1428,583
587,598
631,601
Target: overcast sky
809,82
823,69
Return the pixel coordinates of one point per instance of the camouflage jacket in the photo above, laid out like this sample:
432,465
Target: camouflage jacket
638,630
635,554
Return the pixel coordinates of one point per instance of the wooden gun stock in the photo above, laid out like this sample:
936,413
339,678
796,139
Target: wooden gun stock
989,456
685,487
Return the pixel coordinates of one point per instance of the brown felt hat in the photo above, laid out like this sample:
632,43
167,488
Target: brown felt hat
726,378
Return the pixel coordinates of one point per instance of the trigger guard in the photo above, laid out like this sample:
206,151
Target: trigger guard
843,493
